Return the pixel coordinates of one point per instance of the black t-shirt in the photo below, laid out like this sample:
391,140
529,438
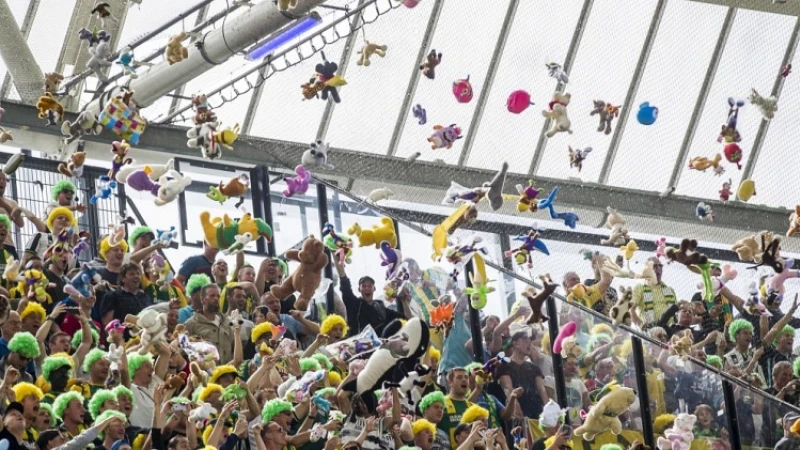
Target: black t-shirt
524,375
124,303
539,444
107,275
56,292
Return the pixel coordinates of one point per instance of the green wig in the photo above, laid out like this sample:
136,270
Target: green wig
234,392
430,399
274,407
714,360
49,408
135,362
25,344
53,363
92,357
196,282
78,337
62,402
472,366
107,415
308,364
788,329
180,400
324,391
61,186
323,361
796,367
122,390
97,400
738,325
611,447
139,231
597,338
5,221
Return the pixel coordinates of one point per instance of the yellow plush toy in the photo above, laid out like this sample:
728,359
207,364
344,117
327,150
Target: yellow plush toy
378,233
285,5
220,232
604,414
175,52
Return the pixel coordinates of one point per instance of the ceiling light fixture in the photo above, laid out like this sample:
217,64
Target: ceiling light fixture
283,37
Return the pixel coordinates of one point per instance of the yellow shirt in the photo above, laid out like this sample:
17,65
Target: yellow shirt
653,301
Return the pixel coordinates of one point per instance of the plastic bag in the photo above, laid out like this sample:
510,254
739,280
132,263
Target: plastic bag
363,342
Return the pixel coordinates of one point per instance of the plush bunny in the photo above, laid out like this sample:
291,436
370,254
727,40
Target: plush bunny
618,226
680,436
171,188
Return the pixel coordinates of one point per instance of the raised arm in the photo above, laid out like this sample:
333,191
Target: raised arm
767,340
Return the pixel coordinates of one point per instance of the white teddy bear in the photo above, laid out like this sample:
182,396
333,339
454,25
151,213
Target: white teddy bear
154,328
171,188
560,122
618,226
680,436
99,59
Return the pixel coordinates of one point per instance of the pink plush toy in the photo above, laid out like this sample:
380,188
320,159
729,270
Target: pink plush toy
776,282
297,184
569,329
410,3
717,283
661,247
462,89
518,101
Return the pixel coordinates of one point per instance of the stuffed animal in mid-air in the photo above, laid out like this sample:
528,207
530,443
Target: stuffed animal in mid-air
702,163
444,137
286,5
306,278
428,68
297,184
316,156
618,226
577,156
104,186
85,123
175,52
52,80
462,89
794,222
219,232
559,121
103,11
604,415
99,56
325,82
729,133
74,168
420,113
607,113
50,109
5,136
704,212
556,71
766,105
368,50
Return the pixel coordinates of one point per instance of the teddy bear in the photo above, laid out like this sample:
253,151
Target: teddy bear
153,325
604,414
85,123
680,436
428,68
681,345
202,413
620,312
687,254
74,168
748,249
559,121
618,226
377,234
99,57
368,50
52,81
306,278
175,52
48,107
175,382
794,222
286,5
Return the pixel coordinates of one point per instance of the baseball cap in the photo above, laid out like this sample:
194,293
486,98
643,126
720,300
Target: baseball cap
365,278
15,406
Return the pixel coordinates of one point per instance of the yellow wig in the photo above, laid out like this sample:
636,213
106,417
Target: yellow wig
207,434
332,321
422,425
259,330
795,428
334,379
32,308
208,390
60,211
551,439
222,370
105,246
22,390
138,441
602,328
663,422
474,413
435,354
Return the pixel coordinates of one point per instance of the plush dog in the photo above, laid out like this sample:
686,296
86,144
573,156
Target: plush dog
766,105
621,311
368,50
48,107
85,123
306,278
175,52
559,121
428,68
603,416
377,234
607,113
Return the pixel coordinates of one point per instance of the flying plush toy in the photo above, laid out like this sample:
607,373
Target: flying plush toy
729,133
465,214
766,105
794,222
420,113
210,138
104,186
480,290
325,82
297,184
220,232
733,153
570,219
316,156
235,187
462,90
307,277
530,242
375,235
557,113
702,163
725,192
704,212
527,198
647,114
444,137
518,102
618,226
567,330
368,50
390,258
604,415
554,70
577,156
442,317
397,356
50,109
340,245
428,68
607,113
747,189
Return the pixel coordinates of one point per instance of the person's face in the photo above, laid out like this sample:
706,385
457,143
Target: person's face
459,382
366,288
259,316
744,337
111,404
75,411
116,430
272,270
181,443
522,345
132,280
247,274
60,377
424,440
18,361
65,198
145,373
238,299
3,233
31,406
704,417
60,223
460,437
785,342
226,380
570,280
336,332
172,318
143,241
60,344
685,315
782,377
115,255
220,269
658,268
570,367
272,302
100,369
125,404
31,323
284,419
12,325
14,421
43,421
211,300
275,433
603,370
435,412
215,398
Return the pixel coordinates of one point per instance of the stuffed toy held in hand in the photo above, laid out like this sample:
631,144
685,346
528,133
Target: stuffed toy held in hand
680,435
220,232
153,325
621,311
306,278
603,415
393,361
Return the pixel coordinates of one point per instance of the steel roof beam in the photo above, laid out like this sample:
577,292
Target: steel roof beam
18,58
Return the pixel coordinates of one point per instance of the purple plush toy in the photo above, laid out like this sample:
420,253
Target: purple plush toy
297,184
140,181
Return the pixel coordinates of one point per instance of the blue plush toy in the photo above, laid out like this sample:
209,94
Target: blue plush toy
165,238
88,276
103,189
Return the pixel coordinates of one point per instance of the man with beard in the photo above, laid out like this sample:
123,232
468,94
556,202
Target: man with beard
212,326
29,395
271,272
128,299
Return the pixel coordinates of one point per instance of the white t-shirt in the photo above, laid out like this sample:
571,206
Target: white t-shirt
142,414
575,391
380,439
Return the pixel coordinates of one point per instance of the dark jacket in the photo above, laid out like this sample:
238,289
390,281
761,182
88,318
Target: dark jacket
360,313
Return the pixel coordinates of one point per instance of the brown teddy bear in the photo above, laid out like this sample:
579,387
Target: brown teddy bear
175,52
48,106
74,168
306,278
52,81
